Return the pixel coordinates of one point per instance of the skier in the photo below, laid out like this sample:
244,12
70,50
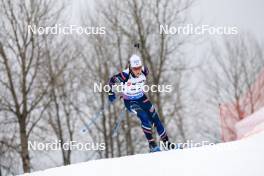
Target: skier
133,79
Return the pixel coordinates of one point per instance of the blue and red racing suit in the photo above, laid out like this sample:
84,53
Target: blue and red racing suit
137,102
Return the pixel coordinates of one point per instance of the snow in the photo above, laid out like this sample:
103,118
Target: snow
240,158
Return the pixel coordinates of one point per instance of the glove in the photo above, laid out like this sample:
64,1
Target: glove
111,97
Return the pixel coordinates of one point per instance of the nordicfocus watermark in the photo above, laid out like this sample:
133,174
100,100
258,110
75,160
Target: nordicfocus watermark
126,87
190,29
191,144
58,29
70,145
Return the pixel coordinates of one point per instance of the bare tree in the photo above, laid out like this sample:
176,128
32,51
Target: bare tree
63,95
140,21
235,66
22,62
125,23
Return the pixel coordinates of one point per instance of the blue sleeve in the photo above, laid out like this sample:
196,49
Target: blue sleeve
118,78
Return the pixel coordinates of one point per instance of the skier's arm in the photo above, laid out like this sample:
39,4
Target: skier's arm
118,78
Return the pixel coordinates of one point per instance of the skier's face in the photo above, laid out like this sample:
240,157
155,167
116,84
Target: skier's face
137,71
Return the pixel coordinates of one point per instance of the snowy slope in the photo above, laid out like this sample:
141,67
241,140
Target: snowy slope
240,158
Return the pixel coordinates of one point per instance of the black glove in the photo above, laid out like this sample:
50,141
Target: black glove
111,96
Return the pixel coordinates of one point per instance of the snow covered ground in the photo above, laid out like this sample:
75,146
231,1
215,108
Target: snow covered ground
239,158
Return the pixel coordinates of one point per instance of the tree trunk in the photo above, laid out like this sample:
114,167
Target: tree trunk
24,146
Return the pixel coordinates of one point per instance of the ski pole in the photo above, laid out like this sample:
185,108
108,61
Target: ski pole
94,118
118,122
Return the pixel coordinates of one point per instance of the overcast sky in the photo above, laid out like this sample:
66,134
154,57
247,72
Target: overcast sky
245,14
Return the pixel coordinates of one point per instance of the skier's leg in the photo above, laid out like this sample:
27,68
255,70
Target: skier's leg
145,123
154,118
133,106
160,129
159,126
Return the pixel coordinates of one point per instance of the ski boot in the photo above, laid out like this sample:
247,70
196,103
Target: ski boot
153,147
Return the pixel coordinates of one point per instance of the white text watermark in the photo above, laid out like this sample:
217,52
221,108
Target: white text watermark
58,29
192,144
123,87
69,145
190,29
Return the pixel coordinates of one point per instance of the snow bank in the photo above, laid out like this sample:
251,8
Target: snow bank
239,158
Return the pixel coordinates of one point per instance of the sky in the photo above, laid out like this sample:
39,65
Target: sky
247,15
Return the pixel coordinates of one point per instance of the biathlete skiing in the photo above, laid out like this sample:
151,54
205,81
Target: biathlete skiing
133,80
